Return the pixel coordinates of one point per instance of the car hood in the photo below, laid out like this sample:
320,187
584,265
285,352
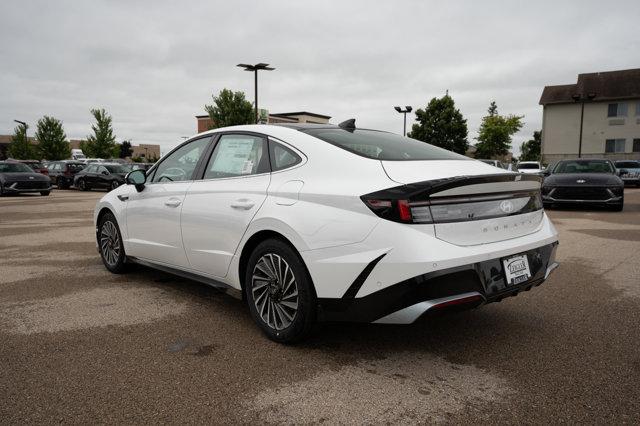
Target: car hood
20,176
571,179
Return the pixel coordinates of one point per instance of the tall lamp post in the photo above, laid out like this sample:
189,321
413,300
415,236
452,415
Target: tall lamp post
255,68
404,111
25,128
579,97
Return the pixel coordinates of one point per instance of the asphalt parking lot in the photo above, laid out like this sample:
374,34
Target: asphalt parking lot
80,345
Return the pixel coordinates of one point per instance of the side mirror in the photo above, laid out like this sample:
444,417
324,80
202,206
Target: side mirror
546,172
137,178
105,172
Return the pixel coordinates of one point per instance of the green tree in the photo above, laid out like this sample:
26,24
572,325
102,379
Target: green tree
530,150
20,148
102,143
125,149
52,144
441,124
230,109
494,135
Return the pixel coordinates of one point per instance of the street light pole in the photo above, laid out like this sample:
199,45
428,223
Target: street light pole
255,68
404,111
580,98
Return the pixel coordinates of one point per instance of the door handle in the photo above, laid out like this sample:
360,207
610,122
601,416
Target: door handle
172,202
242,204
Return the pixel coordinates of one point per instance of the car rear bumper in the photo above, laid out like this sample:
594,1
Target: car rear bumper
466,286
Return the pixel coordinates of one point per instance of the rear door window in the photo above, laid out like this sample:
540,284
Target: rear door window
238,155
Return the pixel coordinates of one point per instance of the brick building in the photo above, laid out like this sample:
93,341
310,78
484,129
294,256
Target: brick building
204,123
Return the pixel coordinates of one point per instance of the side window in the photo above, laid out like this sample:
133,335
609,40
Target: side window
92,169
238,155
102,169
282,157
57,166
180,165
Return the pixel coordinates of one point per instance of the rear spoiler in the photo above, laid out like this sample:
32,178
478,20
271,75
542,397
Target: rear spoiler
476,185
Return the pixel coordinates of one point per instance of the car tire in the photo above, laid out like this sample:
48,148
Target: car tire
114,185
45,193
83,185
280,293
110,244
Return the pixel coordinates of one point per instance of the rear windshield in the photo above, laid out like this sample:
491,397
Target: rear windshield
382,145
75,167
627,164
528,166
583,166
35,165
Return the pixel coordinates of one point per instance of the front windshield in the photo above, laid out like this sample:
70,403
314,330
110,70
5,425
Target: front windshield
14,168
583,166
116,168
382,145
528,166
628,164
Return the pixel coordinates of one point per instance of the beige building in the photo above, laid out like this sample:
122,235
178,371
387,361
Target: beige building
204,122
610,122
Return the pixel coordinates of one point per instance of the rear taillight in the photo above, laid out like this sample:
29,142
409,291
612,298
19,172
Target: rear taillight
453,209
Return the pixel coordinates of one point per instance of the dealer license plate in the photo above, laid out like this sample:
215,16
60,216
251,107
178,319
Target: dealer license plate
516,269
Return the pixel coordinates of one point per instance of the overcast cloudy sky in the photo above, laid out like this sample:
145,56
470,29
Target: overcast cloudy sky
154,64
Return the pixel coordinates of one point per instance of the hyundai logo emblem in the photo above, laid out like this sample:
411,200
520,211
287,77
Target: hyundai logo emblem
506,206
31,177
580,181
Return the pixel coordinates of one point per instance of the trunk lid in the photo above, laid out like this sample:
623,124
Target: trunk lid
419,171
468,202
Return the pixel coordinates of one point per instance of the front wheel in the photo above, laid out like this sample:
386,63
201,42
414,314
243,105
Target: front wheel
279,292
110,243
114,185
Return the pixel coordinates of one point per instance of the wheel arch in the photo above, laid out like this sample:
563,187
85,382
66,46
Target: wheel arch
253,241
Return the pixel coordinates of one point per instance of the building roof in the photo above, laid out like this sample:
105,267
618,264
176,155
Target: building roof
606,86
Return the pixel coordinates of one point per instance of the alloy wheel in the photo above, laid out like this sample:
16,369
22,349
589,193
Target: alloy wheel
275,291
110,243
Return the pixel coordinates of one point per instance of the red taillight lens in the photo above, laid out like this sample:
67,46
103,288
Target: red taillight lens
396,210
404,210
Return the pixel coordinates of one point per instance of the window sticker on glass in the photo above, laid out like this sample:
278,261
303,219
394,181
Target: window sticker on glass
234,157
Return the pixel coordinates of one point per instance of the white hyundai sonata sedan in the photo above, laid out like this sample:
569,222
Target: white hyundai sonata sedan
330,223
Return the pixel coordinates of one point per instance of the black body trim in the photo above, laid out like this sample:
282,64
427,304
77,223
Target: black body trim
486,278
360,279
188,275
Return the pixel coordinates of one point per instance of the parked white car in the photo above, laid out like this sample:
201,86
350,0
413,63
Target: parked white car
530,167
323,222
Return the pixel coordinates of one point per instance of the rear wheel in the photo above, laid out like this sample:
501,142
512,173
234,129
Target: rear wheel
280,293
110,243
83,185
114,185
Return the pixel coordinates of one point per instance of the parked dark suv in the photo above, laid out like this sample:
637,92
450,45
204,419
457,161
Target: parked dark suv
62,172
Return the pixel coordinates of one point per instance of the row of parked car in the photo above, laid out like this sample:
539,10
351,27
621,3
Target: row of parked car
23,176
